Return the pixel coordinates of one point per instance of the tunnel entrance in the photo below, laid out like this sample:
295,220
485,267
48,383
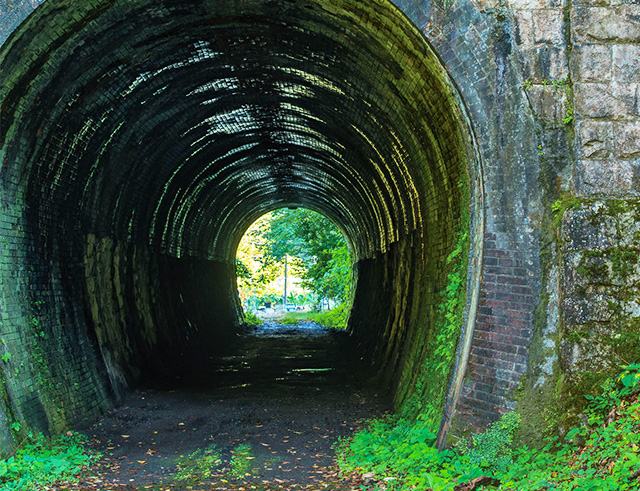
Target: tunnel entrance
131,169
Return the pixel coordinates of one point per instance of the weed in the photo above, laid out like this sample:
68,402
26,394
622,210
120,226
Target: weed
252,320
336,318
42,462
240,465
603,453
197,466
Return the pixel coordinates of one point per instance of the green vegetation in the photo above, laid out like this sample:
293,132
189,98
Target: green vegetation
197,466
563,204
252,320
426,402
308,245
565,85
41,462
402,447
336,318
241,462
206,464
318,246
601,453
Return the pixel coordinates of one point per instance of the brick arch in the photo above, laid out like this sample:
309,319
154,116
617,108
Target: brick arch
477,50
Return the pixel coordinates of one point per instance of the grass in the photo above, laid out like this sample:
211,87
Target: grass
252,320
240,465
197,466
205,464
336,318
42,462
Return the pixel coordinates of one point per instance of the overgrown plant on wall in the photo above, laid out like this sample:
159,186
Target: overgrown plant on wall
403,443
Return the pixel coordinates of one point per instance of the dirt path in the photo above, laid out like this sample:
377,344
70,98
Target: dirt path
288,393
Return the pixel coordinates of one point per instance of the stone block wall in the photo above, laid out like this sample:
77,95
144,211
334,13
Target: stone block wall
606,72
589,325
600,284
586,103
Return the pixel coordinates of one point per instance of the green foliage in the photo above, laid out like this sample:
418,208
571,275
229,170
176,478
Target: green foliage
318,244
6,355
427,400
252,320
603,453
562,205
402,447
565,85
255,267
197,466
315,251
240,465
43,462
336,318
492,450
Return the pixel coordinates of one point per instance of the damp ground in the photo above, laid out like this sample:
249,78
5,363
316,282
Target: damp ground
272,411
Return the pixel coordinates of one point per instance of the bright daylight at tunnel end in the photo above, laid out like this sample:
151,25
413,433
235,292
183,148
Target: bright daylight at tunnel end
321,244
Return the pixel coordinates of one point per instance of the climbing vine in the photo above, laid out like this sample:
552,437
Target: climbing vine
427,399
405,443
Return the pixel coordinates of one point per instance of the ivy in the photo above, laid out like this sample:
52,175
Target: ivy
403,445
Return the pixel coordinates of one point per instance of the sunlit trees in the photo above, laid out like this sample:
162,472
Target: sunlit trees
316,252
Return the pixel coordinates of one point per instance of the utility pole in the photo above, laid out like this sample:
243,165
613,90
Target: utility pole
286,273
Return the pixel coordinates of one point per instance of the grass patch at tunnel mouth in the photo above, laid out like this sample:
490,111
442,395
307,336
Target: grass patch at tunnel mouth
336,318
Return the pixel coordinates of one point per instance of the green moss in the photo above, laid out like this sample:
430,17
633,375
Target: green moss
563,204
623,260
592,269
549,403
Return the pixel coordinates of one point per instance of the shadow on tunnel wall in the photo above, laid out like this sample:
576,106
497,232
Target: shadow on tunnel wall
158,319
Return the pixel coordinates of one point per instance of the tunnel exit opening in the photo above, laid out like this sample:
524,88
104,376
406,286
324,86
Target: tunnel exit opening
130,174
294,265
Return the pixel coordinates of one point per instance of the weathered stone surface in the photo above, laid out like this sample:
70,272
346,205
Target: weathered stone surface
547,26
592,63
608,178
594,139
617,24
602,100
548,102
524,29
600,244
627,140
534,4
579,232
591,3
626,63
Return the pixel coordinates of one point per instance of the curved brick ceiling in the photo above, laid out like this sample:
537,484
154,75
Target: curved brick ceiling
179,123
139,139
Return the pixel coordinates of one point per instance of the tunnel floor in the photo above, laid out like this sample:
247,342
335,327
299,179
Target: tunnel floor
288,391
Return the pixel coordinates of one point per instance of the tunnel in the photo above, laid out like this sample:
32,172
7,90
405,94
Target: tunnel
140,139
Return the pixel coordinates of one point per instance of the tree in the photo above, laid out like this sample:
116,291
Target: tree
316,252
319,246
